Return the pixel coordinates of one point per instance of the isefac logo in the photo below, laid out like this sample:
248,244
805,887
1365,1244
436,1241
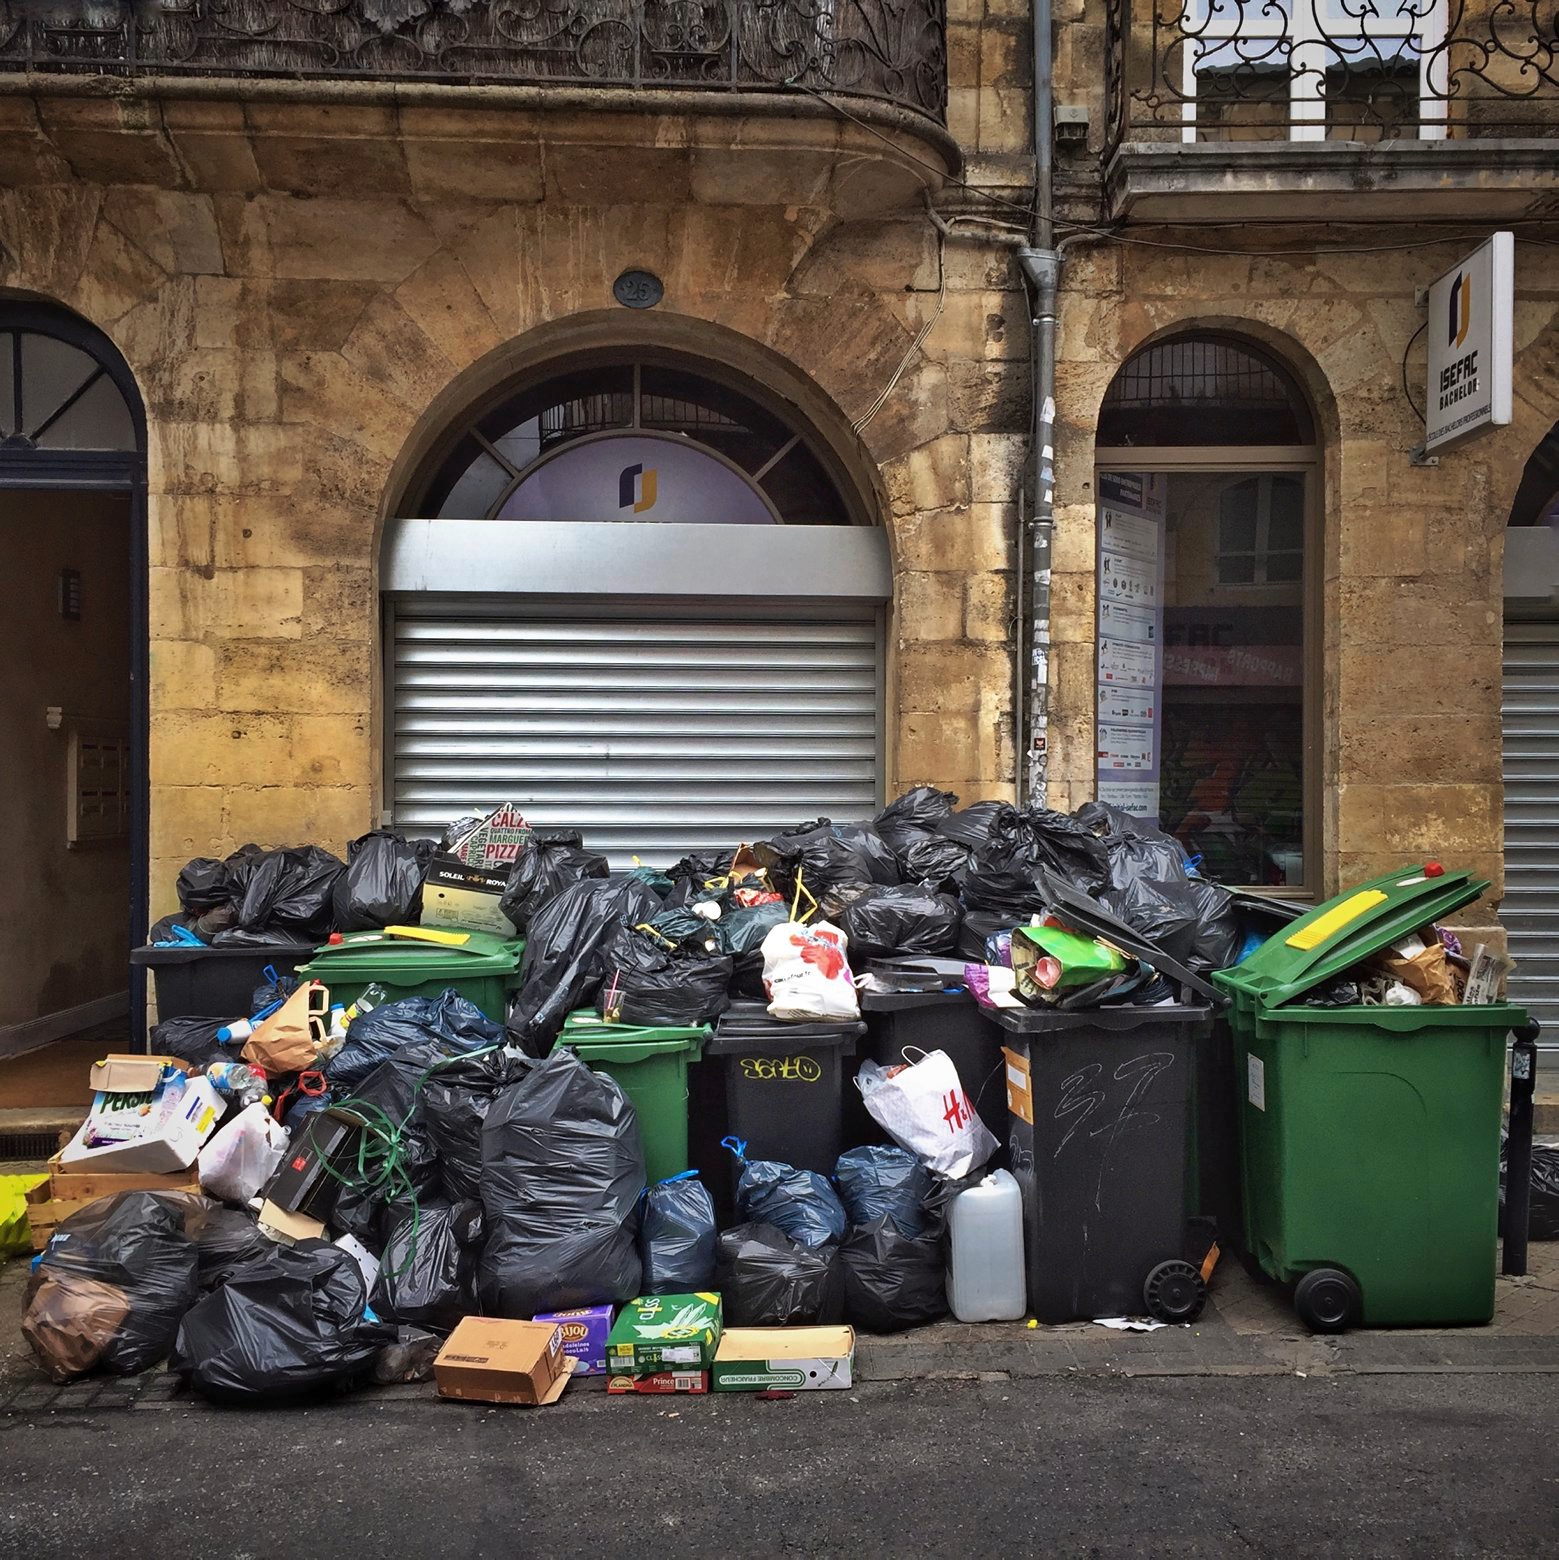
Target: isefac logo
1460,310
636,489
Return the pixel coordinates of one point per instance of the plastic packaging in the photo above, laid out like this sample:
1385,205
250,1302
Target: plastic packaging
448,1021
985,1257
677,1237
806,971
799,1203
906,919
239,1082
240,1157
925,1109
883,1182
382,884
562,1174
193,1040
280,1329
113,1282
766,1279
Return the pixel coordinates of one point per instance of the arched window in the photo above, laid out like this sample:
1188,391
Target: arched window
1208,486
54,395
638,441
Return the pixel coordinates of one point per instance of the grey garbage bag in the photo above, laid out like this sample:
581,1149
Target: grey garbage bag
883,1182
800,1203
562,1174
890,1280
677,1237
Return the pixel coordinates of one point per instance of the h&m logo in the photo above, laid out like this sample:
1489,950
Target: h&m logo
1460,310
636,489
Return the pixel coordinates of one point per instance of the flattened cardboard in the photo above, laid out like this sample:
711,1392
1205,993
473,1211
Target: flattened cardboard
122,1074
787,1359
693,1382
491,1360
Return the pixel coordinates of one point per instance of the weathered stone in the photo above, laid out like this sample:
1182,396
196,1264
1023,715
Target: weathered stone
175,229
973,537
184,673
934,476
300,677
286,814
988,607
929,607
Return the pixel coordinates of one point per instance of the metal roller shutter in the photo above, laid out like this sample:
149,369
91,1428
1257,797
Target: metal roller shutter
655,731
1530,911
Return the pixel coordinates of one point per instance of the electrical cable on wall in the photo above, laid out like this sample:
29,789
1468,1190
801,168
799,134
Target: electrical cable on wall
919,341
1406,393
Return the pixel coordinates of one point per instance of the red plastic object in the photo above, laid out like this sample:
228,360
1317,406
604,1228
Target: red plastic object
1433,869
335,939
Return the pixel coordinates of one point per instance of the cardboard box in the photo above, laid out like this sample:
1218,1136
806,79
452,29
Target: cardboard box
65,1192
789,1359
661,1332
302,1182
584,1337
455,894
287,1228
692,1381
155,1127
488,1360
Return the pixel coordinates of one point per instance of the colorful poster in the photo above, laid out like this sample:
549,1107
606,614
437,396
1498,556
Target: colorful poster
1130,677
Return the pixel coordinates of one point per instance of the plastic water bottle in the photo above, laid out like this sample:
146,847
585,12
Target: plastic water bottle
238,1081
985,1267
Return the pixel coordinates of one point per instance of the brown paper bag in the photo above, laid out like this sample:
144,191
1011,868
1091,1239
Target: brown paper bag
290,1039
71,1321
1428,972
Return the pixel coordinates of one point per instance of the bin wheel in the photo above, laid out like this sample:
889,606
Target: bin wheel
1174,1292
1327,1300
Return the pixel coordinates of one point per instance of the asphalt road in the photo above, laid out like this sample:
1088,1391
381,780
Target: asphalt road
1387,1465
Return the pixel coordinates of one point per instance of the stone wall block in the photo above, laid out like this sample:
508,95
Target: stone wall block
988,607
194,748
929,607
933,477
324,390
289,814
970,538
175,228
184,673
301,677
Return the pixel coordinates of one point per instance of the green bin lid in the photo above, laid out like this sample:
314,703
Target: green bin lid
362,953
585,1032
1330,939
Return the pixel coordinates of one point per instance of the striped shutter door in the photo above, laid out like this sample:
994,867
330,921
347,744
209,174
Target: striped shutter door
653,731
1530,911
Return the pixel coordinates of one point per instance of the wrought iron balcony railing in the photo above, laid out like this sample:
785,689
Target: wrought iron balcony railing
1353,70
894,50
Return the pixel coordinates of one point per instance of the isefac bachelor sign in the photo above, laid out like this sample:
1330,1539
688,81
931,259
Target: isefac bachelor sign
1470,345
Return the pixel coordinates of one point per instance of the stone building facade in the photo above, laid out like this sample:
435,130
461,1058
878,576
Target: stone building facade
312,281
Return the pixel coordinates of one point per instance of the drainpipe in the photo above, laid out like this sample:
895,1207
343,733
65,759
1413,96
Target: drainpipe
1041,265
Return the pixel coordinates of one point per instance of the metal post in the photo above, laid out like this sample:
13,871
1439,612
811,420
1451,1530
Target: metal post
1518,1150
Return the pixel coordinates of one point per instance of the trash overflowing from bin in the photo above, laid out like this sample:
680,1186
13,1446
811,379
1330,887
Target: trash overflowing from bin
486,1112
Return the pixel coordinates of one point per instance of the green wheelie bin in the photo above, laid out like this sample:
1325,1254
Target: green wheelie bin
408,962
651,1065
1369,1136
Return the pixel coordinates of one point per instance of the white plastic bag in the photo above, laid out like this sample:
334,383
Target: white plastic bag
239,1159
806,972
924,1109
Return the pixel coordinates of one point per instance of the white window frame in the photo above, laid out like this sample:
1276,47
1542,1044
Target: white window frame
1214,24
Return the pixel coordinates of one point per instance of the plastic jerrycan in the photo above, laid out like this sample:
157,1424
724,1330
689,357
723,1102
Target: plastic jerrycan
985,1265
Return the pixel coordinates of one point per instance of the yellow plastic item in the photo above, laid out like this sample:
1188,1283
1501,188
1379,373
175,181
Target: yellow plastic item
429,934
1339,916
15,1233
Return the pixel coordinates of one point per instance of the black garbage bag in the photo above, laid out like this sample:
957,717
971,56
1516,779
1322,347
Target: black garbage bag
1219,933
892,1281
1543,1219
941,862
825,853
382,884
160,934
677,1237
1002,875
644,982
449,1021
561,971
562,1174
800,1203
227,1239
291,890
193,1041
542,873
113,1282
408,1358
1067,848
971,825
454,1103
427,1271
204,884
766,1279
1136,849
692,876
271,991
743,932
883,1182
906,919
912,817
284,1328
1193,921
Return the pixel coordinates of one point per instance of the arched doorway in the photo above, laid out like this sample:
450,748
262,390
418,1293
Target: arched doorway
73,712
1529,706
636,597
1208,493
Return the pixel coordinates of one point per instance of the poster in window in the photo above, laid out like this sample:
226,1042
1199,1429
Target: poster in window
1129,682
